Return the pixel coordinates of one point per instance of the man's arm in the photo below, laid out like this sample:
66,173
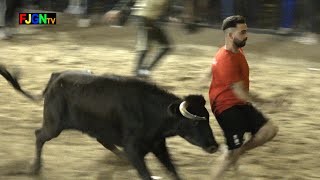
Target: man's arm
240,92
123,4
114,14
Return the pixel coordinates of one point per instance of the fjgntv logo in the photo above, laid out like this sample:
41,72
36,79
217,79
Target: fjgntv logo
38,18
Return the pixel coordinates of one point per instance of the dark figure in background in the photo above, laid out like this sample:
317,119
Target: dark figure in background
288,8
8,9
248,8
3,9
147,14
311,20
227,8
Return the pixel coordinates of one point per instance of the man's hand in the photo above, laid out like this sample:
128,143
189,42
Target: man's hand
273,101
240,92
111,16
257,99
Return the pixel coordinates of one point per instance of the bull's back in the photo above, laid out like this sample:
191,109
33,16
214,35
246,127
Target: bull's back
103,93
89,100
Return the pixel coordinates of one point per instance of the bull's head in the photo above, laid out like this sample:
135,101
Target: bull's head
193,123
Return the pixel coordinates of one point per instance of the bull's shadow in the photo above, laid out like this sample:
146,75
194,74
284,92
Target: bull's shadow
19,169
116,168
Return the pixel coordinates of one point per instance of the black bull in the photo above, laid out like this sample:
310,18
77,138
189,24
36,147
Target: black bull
125,112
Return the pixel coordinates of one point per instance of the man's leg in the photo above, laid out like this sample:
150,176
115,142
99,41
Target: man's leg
225,161
267,132
3,8
12,6
161,52
160,36
140,56
262,129
142,45
234,123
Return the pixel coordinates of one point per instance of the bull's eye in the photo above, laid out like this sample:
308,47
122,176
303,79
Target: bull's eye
195,123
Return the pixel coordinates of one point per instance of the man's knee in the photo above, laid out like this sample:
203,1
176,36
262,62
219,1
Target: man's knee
166,48
271,128
275,130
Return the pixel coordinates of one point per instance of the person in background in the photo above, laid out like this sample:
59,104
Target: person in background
3,8
80,8
311,9
288,8
250,9
227,8
147,13
8,9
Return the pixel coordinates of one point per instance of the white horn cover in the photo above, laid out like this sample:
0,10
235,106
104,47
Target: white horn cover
183,110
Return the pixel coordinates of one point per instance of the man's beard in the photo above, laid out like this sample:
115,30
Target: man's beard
239,43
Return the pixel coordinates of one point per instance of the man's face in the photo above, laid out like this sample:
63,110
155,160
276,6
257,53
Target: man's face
240,35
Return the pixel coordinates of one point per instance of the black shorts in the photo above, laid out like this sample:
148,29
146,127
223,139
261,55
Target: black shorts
238,120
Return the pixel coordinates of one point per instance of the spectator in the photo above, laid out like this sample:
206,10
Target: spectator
287,17
227,8
311,18
149,30
7,14
79,7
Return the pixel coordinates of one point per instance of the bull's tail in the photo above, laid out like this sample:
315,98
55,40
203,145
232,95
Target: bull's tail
13,80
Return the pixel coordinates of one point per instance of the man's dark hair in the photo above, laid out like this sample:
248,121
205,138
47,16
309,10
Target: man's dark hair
232,21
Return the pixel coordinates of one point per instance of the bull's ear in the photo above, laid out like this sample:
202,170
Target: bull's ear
173,108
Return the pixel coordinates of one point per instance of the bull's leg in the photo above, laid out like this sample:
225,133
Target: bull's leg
136,158
161,152
42,136
112,148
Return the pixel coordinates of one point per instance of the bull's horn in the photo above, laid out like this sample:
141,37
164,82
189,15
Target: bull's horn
183,110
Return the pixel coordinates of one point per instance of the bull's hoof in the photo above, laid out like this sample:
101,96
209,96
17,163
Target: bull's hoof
157,177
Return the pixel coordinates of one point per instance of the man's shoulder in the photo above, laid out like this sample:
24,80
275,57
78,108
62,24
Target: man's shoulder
223,55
